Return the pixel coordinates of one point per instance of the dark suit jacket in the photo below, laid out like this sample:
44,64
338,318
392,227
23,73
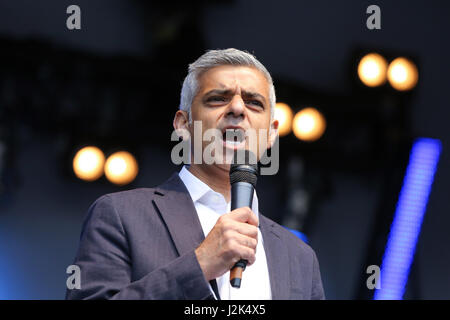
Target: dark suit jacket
139,244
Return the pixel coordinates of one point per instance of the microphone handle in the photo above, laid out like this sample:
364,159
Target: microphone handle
241,196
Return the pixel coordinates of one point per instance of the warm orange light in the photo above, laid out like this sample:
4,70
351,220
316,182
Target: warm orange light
402,74
372,70
309,124
283,114
88,163
121,168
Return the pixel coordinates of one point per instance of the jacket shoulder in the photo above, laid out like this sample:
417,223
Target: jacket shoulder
119,204
129,196
133,203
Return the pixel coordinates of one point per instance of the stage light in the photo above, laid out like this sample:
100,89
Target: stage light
408,217
402,74
372,70
121,168
297,233
309,124
283,114
88,163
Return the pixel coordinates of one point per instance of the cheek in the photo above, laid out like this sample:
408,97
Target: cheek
258,140
206,115
265,133
263,139
202,122
262,126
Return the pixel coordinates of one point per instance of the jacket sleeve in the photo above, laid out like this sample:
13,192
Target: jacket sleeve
104,261
317,292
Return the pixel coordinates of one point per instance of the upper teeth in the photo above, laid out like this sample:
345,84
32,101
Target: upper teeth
233,135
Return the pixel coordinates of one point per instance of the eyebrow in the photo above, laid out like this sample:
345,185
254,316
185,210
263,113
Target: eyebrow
228,92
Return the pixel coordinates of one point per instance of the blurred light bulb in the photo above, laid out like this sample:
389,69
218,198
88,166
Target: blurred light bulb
88,163
121,168
372,70
309,124
402,74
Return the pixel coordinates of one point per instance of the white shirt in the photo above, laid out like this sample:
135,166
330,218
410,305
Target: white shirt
210,205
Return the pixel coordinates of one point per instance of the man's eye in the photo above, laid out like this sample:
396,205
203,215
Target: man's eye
216,99
254,102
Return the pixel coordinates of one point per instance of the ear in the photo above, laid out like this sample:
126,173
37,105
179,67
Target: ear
273,133
181,120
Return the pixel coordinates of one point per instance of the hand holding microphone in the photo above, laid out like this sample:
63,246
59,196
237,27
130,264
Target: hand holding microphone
235,235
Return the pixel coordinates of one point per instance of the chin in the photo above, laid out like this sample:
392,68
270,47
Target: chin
225,167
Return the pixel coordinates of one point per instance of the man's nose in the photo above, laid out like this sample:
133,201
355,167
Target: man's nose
236,108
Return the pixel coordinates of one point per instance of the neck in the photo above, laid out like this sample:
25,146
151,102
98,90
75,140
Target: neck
217,178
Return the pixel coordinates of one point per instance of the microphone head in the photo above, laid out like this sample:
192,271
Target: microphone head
244,167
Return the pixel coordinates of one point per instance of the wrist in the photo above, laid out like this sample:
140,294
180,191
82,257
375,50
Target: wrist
203,263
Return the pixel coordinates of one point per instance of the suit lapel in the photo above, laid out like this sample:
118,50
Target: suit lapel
178,212
277,259
180,216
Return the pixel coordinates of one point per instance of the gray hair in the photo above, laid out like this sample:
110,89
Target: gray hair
215,58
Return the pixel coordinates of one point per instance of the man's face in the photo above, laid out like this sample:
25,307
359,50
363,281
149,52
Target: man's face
234,98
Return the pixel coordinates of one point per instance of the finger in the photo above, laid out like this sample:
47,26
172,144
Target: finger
244,214
246,241
244,229
247,254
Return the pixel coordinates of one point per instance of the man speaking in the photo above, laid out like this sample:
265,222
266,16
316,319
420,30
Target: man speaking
181,239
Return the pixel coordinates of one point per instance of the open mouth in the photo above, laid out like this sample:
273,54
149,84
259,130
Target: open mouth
233,137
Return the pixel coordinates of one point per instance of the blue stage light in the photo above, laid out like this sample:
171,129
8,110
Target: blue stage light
405,228
299,234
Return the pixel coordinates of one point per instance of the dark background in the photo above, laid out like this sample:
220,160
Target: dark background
116,83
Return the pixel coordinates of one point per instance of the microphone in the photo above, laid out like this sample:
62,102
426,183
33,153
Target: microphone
243,176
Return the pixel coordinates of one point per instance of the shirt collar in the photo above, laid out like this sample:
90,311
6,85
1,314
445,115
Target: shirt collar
196,187
201,192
